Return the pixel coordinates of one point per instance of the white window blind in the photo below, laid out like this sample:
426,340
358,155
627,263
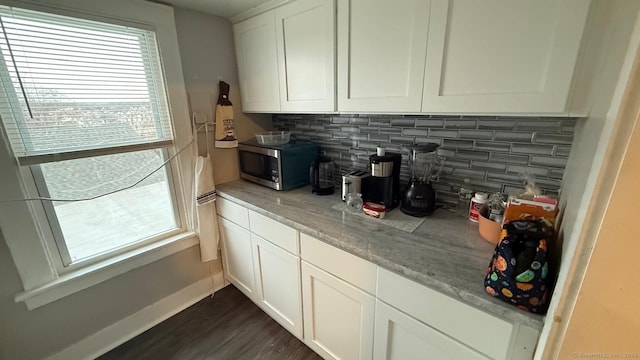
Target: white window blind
74,88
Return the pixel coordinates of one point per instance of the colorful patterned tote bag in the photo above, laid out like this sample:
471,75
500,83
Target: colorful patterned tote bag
519,270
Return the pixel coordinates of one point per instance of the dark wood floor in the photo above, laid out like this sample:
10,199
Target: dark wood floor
227,326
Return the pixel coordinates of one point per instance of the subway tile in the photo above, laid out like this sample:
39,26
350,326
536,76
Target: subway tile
568,126
475,174
447,153
458,144
415,132
435,123
500,124
562,150
512,190
460,124
339,135
359,151
447,170
489,166
548,161
548,138
458,163
358,121
532,149
472,155
379,137
552,194
441,186
548,184
379,121
556,173
350,129
443,133
369,129
513,136
403,122
354,136
485,186
531,170
445,116
550,125
504,178
332,154
390,130
513,159
492,146
367,145
475,134
402,139
509,151
424,140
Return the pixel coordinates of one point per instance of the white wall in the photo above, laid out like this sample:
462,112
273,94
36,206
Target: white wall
208,53
206,47
609,48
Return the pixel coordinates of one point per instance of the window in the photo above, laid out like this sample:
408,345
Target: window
85,110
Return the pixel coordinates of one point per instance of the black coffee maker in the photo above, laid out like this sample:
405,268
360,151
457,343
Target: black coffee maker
383,186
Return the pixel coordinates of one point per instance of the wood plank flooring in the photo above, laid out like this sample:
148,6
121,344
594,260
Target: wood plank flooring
227,326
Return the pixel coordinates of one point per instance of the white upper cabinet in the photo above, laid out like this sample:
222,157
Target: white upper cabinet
306,55
255,41
381,54
498,56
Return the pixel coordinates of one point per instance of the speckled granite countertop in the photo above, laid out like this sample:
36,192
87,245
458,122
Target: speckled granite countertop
445,253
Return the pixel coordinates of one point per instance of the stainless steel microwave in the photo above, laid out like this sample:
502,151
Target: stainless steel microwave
280,167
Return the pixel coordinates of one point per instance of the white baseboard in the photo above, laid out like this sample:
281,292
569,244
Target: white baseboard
131,326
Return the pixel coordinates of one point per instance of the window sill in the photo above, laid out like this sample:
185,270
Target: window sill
81,279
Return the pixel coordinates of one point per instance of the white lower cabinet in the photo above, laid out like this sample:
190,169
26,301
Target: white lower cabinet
345,307
237,256
338,317
277,274
401,337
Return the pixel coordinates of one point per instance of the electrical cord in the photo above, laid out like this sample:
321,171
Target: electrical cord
114,191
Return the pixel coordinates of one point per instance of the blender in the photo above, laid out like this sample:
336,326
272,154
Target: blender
419,198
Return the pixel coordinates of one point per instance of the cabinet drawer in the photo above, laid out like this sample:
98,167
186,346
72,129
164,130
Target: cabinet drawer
345,266
479,330
233,212
279,234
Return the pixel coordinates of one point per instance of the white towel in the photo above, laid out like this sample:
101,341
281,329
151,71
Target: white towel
206,219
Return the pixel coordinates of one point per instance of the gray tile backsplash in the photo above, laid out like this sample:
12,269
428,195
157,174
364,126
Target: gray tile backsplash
482,153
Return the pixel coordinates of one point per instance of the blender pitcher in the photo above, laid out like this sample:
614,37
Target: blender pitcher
419,198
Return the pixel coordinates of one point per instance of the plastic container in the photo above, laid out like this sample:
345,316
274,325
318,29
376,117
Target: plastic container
476,204
273,137
489,229
374,210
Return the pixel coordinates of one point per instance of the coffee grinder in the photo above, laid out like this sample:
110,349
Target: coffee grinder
383,184
419,198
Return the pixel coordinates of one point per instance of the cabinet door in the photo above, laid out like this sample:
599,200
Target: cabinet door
338,317
381,54
497,56
278,284
306,55
401,337
255,41
237,256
